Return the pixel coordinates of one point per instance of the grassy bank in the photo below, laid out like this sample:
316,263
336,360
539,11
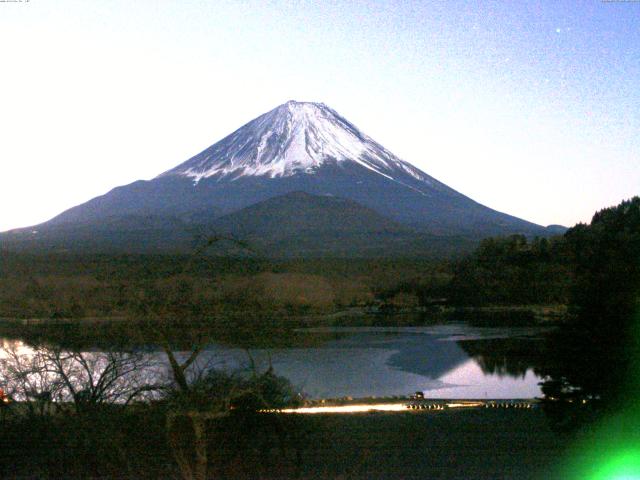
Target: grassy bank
473,444
464,445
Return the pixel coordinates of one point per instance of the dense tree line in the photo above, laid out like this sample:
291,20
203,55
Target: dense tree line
591,363
514,271
81,286
506,271
597,352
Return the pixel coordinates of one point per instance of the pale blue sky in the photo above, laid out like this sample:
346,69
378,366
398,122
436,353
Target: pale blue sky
532,108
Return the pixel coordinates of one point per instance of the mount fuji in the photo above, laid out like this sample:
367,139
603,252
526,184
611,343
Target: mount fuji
303,152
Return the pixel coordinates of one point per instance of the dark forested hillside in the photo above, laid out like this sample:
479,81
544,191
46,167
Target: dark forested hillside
593,268
514,271
597,353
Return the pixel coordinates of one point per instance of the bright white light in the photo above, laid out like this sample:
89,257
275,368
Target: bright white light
383,407
465,405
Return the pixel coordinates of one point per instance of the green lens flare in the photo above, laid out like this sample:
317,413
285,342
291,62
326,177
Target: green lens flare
624,465
610,451
611,454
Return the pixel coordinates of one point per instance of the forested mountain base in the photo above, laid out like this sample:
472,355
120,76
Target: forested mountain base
589,263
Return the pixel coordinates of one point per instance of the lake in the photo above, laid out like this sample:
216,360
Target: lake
443,361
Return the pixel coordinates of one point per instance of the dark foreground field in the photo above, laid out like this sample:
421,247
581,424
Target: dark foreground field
471,444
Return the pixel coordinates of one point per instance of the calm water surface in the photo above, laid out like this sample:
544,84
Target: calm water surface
445,361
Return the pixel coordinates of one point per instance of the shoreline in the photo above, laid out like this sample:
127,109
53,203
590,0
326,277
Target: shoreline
492,315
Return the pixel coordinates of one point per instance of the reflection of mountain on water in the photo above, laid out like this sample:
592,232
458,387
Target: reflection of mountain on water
380,363
358,364
363,364
426,355
504,356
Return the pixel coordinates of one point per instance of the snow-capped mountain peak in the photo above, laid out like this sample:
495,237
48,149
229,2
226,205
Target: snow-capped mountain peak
296,148
294,138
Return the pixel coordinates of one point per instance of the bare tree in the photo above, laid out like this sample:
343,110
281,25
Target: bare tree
25,378
52,375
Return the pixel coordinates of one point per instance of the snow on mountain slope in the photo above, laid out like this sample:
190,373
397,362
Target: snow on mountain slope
296,137
296,147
